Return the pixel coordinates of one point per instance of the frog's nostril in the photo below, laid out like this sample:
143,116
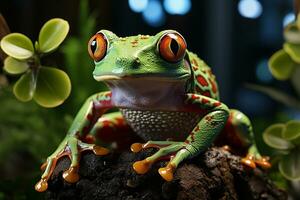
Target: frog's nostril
128,61
137,61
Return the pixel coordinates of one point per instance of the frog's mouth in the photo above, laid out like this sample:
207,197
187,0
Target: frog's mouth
153,77
146,92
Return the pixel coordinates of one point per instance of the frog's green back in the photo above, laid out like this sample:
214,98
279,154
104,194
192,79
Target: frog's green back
204,81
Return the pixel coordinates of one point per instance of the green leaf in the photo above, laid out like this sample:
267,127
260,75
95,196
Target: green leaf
17,46
14,66
52,34
292,130
53,87
289,166
292,34
273,137
293,50
281,65
24,87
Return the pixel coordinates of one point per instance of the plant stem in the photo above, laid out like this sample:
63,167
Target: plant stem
296,7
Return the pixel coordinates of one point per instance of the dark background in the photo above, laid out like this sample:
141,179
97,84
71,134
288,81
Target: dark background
237,48
214,29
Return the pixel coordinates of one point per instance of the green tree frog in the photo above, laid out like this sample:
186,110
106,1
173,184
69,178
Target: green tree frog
165,94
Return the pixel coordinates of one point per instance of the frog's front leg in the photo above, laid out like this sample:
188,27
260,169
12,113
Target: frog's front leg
73,144
214,118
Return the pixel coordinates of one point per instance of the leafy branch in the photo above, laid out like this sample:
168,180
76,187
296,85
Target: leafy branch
284,138
48,86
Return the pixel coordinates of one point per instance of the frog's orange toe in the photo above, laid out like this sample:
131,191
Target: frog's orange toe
42,185
167,172
136,147
100,151
263,163
43,166
249,162
226,148
142,167
71,175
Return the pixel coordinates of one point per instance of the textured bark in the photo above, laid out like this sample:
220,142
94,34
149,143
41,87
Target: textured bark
216,174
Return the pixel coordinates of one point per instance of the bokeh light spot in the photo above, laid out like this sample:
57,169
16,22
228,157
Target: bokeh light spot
154,14
262,71
138,5
288,18
177,7
250,8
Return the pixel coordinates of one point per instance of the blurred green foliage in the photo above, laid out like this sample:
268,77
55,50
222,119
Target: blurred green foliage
284,138
80,65
281,141
29,133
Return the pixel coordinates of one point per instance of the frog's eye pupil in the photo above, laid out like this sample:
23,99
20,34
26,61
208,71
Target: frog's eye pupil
172,47
97,46
94,45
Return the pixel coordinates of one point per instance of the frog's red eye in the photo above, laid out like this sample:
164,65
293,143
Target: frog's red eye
97,46
172,47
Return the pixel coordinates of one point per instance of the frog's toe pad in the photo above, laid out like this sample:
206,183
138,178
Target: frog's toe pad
100,151
142,166
136,147
71,175
41,186
249,162
167,172
263,163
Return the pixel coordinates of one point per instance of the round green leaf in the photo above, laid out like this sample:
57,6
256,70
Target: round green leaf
281,65
292,130
292,34
52,34
17,46
14,66
293,50
24,87
53,87
289,165
273,137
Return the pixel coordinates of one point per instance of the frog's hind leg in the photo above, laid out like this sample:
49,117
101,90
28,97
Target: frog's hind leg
113,131
238,134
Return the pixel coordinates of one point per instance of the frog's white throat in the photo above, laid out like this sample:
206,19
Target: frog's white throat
147,94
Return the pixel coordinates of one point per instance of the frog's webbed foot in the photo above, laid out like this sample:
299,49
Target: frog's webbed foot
71,147
252,162
254,159
175,152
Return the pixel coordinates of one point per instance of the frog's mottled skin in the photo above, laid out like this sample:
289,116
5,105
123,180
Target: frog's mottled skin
174,105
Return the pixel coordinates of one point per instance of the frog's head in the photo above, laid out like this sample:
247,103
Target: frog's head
141,59
160,56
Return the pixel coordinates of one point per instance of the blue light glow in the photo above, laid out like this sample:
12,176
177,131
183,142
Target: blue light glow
154,14
262,72
250,8
177,7
138,5
288,18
